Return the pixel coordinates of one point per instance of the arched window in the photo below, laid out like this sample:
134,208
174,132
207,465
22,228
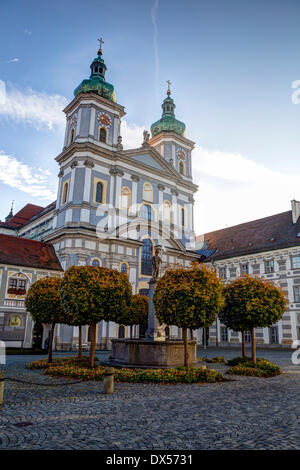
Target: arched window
167,332
148,192
181,168
121,333
102,134
99,192
167,212
95,262
124,268
65,192
71,139
146,257
125,198
182,215
146,212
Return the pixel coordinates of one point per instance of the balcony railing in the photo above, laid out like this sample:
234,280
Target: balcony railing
14,303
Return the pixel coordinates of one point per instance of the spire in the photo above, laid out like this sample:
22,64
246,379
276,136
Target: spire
11,214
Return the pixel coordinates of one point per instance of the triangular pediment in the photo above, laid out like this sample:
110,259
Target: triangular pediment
150,157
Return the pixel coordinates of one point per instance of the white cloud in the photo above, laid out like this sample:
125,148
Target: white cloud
33,181
11,61
234,189
35,108
132,135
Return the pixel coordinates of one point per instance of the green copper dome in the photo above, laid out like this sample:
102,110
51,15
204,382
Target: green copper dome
96,82
168,123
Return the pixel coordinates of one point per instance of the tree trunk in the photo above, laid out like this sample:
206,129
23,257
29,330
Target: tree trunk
204,338
243,344
186,350
253,346
130,331
80,342
93,344
50,343
217,333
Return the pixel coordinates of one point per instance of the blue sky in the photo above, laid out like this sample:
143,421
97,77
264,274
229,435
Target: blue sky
231,65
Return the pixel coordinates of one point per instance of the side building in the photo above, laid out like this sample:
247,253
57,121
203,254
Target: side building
22,262
270,249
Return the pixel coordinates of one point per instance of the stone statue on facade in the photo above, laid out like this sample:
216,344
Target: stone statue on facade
156,263
146,136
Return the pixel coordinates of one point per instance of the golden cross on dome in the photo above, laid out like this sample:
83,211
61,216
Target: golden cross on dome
101,42
169,83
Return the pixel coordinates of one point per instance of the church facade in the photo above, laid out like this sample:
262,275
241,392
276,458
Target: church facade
114,205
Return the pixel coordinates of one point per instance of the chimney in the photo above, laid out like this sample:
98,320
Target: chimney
295,210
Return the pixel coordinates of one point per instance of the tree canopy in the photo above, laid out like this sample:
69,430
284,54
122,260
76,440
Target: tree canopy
188,298
43,301
251,302
91,294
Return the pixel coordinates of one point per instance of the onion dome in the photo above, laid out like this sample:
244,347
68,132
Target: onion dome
96,83
168,122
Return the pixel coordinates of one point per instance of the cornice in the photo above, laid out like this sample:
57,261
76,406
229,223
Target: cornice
81,97
123,157
172,136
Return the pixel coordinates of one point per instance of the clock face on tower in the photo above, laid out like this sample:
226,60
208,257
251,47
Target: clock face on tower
181,154
104,120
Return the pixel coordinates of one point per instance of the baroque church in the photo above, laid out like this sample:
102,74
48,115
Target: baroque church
114,206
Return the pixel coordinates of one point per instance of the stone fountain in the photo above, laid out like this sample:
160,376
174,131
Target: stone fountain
154,350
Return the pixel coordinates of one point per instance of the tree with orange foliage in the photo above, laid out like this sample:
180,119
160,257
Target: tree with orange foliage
188,298
91,294
251,303
43,301
136,314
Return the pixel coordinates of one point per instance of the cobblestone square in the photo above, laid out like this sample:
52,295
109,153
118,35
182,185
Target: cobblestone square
243,413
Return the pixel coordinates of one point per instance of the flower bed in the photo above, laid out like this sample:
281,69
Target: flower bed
262,368
178,375
44,364
216,360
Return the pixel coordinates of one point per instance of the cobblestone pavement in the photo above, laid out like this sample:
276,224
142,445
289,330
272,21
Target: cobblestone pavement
245,413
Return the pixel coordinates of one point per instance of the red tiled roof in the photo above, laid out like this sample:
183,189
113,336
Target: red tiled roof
21,217
31,253
270,233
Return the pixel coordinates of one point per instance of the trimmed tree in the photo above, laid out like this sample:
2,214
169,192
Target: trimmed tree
188,298
91,294
136,313
252,303
43,301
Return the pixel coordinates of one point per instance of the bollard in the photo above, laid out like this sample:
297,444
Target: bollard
1,389
109,380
